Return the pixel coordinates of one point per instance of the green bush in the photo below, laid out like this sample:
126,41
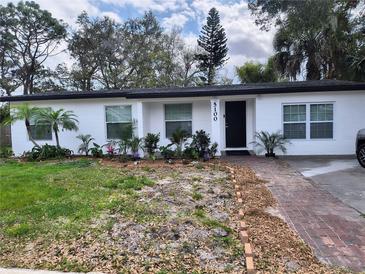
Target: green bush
151,144
96,151
191,152
201,142
6,152
213,150
166,152
47,152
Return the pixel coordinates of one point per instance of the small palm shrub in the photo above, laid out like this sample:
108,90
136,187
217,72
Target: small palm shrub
96,151
125,140
136,144
178,138
270,142
46,152
151,144
85,139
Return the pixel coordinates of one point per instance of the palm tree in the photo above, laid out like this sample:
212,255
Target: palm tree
23,112
58,119
178,138
85,139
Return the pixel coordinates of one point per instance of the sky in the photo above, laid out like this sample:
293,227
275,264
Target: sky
245,41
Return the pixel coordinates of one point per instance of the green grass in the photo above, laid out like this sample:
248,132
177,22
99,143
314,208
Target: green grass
205,220
197,196
61,197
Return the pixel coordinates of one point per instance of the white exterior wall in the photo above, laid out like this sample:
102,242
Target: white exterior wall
89,112
155,117
263,112
349,117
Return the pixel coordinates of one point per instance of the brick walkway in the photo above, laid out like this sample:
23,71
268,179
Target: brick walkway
335,231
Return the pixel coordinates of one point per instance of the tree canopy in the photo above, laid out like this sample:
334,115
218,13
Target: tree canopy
319,39
254,72
29,36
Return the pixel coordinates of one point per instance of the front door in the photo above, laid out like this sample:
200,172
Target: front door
236,124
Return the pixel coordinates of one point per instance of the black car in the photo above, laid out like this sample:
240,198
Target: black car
360,147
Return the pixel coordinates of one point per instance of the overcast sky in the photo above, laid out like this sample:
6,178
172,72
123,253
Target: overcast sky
245,40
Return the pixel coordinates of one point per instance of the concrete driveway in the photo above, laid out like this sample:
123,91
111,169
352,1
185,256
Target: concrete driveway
343,177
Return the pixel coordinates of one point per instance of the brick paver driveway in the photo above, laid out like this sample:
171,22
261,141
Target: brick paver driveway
335,231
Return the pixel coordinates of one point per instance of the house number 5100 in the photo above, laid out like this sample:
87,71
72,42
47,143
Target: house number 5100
215,113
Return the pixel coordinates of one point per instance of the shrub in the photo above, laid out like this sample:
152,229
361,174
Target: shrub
201,142
151,144
191,152
270,142
136,144
85,139
110,148
178,138
6,152
96,151
166,152
47,152
213,150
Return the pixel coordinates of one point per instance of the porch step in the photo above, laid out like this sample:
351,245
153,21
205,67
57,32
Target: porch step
237,152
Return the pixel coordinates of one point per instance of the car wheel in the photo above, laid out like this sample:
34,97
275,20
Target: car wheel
361,155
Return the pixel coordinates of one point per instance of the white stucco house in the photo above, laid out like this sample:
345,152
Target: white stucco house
319,117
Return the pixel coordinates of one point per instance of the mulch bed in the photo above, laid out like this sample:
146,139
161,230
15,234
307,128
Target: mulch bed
277,248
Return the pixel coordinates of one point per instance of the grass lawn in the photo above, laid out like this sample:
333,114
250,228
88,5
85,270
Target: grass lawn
83,216
59,196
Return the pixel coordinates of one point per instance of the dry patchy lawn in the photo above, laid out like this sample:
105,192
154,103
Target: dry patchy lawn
84,216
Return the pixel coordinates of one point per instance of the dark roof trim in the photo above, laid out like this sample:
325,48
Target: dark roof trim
249,89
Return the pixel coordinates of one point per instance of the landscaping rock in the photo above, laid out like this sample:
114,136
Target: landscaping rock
292,266
220,232
221,216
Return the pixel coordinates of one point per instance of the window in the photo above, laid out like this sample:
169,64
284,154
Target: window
321,121
118,119
295,121
178,116
40,131
315,118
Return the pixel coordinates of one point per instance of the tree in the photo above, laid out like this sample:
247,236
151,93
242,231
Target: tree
84,47
252,72
57,119
314,35
25,113
137,53
8,80
31,36
213,42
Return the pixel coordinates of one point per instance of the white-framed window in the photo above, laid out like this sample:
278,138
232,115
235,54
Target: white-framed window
41,131
178,116
118,119
308,121
295,121
321,121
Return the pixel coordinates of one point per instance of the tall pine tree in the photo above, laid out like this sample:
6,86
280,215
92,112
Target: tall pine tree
213,41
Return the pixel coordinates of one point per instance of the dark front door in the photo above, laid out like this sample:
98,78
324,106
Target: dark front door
235,124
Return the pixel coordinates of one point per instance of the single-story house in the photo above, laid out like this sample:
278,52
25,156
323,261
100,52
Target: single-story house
319,117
